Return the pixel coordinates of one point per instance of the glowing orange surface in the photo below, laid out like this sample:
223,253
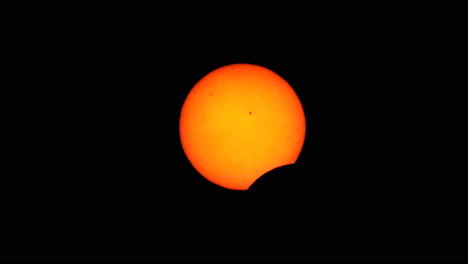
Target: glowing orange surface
239,122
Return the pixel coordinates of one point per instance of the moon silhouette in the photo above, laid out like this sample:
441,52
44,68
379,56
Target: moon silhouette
239,122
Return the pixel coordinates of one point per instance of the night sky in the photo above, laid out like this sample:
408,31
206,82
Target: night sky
99,170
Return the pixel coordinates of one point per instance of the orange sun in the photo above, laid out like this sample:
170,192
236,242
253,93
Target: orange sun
239,122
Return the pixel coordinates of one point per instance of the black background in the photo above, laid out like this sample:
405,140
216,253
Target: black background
98,171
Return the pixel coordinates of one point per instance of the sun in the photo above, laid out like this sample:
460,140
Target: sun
239,122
